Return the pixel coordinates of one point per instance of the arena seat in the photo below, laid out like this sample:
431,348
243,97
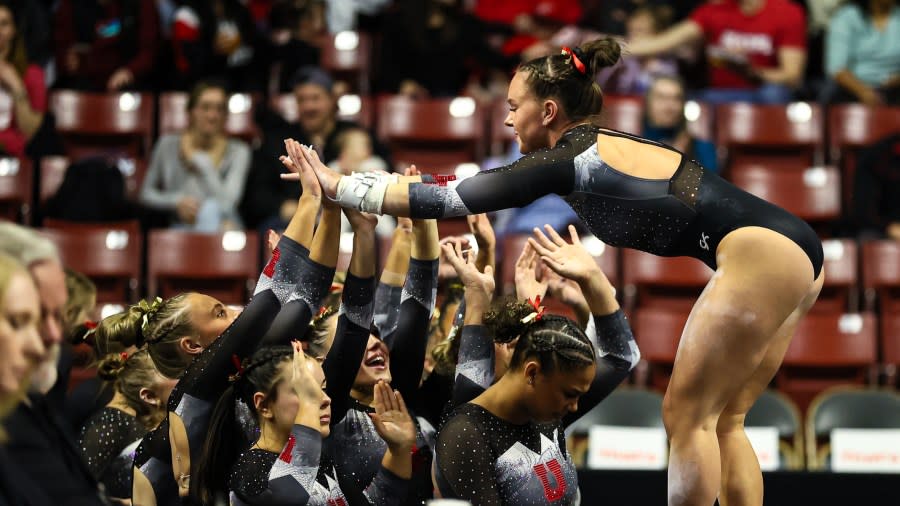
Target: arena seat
827,350
347,56
658,331
889,344
223,265
785,136
852,127
437,132
774,409
812,194
881,275
700,118
16,177
53,171
120,123
110,254
846,408
174,116
672,282
840,291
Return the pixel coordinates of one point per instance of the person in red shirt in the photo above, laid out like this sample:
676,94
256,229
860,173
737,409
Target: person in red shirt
531,20
23,95
755,49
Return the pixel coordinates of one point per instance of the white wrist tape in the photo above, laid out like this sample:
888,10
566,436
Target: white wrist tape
362,191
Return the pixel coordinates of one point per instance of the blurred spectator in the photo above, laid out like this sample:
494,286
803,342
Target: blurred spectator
23,95
216,39
106,45
862,53
876,190
33,22
527,22
270,202
198,176
610,17
755,49
431,48
344,15
355,154
664,122
48,464
631,75
297,30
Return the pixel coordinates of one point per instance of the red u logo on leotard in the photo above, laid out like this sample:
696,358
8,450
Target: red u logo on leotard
552,494
269,271
337,502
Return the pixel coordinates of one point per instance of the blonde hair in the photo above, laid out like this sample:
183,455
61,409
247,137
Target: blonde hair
82,299
129,374
9,268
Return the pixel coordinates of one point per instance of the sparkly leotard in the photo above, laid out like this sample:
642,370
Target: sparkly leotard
489,461
203,382
686,215
354,444
107,442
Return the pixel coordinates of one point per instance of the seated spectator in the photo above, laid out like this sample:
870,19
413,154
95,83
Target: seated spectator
355,154
345,15
664,122
216,39
23,95
297,29
632,76
433,48
755,49
106,45
862,53
198,176
610,17
876,190
527,22
270,201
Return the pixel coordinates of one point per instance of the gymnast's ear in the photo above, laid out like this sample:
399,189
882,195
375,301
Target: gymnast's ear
550,111
530,370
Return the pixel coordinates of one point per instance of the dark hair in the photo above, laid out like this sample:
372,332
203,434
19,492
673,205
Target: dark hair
864,5
202,87
556,76
231,431
311,74
129,374
18,53
555,341
446,352
82,298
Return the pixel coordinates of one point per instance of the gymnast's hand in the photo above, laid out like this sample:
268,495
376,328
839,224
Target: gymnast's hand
300,171
479,285
392,420
571,261
308,159
530,281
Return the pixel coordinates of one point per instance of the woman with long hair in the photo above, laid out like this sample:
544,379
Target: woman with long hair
635,193
110,437
25,92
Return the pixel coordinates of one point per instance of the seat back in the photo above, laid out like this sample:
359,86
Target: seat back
223,265
852,127
658,331
651,280
102,123
774,409
174,115
347,56
438,132
847,408
624,407
881,275
15,189
841,287
700,118
812,194
110,254
828,349
783,135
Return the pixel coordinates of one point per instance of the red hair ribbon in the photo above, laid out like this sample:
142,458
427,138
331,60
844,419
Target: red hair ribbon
124,355
90,325
575,59
538,310
322,311
336,288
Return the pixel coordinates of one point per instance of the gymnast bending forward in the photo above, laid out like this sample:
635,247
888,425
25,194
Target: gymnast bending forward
639,194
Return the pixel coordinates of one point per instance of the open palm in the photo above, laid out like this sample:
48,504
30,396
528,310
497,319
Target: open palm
571,261
391,418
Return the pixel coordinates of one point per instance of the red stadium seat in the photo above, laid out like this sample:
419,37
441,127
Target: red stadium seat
53,171
355,108
658,331
111,254
669,282
625,114
92,123
812,194
15,190
840,290
223,265
700,118
786,136
828,350
890,346
432,132
881,275
347,56
854,126
174,116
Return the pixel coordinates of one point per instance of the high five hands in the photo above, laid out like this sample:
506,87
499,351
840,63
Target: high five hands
302,161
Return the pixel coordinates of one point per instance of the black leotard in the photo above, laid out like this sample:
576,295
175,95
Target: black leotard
108,441
489,461
686,215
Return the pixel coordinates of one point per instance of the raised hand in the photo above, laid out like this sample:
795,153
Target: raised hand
445,269
360,221
528,275
571,261
303,382
294,163
308,159
563,289
272,238
391,418
481,228
479,285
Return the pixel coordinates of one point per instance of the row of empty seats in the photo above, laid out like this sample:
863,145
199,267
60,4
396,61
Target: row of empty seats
804,442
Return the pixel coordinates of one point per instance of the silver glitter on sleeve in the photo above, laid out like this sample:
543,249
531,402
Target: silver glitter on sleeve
611,335
300,459
387,308
357,300
282,271
476,356
387,489
421,283
433,201
313,284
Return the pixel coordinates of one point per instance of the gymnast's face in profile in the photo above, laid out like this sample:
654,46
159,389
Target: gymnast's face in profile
210,317
526,116
556,393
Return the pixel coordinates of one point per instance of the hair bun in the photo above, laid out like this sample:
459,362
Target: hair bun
111,366
505,322
599,53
